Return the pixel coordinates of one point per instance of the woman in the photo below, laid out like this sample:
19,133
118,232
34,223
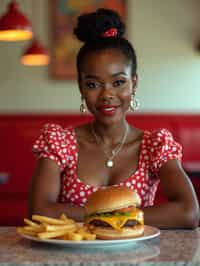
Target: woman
74,162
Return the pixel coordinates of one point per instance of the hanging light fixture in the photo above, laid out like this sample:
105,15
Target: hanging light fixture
35,54
14,26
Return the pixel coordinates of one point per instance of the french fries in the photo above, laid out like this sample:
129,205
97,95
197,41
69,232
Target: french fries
62,228
48,220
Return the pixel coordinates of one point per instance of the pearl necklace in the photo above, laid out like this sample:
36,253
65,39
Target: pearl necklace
115,151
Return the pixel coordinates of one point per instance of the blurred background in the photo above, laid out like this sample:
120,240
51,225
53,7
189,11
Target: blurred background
165,35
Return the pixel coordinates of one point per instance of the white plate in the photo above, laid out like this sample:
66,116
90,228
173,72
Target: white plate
149,232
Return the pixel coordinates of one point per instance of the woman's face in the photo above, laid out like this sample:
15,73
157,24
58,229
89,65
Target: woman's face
106,84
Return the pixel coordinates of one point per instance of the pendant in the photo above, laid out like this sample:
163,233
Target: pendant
109,163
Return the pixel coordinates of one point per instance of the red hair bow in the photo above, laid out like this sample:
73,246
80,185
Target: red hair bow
112,32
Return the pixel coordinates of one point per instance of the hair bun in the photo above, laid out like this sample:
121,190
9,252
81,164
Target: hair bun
91,26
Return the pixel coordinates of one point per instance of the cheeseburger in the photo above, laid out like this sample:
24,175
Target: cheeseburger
113,213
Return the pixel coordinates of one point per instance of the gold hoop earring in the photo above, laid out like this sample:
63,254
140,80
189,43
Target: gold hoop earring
134,103
82,106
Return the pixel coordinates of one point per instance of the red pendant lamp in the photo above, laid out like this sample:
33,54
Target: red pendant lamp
14,26
35,54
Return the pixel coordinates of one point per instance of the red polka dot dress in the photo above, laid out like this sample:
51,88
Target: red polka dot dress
60,145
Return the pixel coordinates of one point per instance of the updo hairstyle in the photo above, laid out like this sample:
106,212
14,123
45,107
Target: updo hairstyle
90,30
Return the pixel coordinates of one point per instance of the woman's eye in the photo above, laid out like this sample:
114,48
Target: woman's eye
118,83
91,85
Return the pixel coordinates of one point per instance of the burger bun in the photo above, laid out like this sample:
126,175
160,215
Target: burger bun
111,199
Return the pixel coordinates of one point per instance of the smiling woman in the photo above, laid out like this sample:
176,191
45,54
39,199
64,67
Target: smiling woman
74,162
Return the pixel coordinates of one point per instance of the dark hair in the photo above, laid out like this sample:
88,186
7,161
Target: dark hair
90,28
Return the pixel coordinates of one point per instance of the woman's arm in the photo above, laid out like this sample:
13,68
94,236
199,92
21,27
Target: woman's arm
182,209
44,192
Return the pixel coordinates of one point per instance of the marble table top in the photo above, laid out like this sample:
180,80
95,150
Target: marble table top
172,247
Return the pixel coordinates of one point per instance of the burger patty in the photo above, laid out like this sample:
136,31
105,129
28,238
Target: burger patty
129,223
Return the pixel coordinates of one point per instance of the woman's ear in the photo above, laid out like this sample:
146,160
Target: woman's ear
135,83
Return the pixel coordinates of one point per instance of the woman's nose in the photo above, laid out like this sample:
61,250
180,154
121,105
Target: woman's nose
106,92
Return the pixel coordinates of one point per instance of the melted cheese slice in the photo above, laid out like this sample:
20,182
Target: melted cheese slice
117,222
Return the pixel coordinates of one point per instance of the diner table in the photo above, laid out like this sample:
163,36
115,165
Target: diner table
171,247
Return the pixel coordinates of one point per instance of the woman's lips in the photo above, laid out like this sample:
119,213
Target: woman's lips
107,110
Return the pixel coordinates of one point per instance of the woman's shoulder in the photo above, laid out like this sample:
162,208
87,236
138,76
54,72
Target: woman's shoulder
56,143
56,131
57,128
158,136
161,141
161,146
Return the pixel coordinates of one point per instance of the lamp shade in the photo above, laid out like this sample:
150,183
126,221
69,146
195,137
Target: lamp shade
14,26
35,55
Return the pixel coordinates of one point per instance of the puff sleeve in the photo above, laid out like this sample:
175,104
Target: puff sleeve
53,144
162,147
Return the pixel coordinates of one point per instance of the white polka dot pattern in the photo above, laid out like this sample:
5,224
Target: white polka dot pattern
60,145
52,144
165,148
